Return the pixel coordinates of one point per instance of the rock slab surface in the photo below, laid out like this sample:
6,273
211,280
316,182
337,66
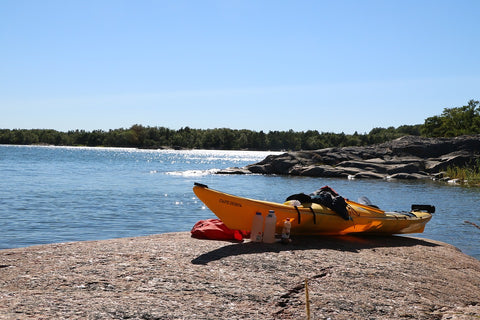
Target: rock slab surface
173,276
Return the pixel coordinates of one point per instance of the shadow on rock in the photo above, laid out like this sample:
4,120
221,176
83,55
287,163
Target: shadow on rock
344,243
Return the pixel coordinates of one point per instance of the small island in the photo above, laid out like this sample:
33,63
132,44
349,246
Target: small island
408,157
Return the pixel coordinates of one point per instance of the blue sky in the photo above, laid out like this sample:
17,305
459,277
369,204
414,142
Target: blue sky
331,66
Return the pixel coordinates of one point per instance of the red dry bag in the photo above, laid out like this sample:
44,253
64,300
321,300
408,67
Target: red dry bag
215,229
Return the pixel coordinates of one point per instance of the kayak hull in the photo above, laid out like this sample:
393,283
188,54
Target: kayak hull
310,219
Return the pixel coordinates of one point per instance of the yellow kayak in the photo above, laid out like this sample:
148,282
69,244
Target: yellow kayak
312,218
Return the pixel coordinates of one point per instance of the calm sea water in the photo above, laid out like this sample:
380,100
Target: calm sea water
61,194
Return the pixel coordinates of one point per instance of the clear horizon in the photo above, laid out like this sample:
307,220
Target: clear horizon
273,66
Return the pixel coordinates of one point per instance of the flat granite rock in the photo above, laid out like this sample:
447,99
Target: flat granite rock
174,276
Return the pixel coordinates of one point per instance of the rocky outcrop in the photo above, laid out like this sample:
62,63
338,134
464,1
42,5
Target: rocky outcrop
174,276
409,157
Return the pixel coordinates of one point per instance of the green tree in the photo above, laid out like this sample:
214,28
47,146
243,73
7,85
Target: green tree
454,121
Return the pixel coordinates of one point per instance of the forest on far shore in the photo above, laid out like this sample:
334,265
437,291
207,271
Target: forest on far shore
452,122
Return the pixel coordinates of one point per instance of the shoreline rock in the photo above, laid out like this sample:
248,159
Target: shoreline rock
174,276
408,157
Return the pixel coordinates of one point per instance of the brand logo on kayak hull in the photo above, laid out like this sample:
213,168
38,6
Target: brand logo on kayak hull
230,203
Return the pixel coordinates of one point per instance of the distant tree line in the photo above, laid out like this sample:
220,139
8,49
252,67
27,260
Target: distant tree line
139,136
452,122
